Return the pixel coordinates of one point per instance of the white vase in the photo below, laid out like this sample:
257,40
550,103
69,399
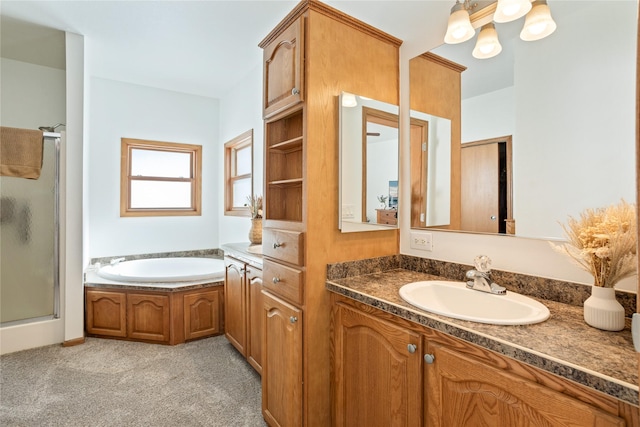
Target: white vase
603,311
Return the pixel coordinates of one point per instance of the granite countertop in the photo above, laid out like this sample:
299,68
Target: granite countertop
564,344
240,252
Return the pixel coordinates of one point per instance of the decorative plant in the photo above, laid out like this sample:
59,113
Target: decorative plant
383,200
603,242
255,206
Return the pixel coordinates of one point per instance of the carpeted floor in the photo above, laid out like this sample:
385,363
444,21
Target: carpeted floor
120,383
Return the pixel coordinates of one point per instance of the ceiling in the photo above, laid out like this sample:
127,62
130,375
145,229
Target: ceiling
205,47
197,47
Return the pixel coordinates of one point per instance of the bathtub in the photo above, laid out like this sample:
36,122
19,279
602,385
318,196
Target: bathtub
166,270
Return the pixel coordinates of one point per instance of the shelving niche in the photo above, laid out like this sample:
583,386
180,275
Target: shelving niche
285,171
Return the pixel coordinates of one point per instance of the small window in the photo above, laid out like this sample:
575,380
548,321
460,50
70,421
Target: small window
160,178
238,174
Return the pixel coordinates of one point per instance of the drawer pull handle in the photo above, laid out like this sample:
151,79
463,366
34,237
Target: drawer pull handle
293,319
295,91
429,358
411,348
276,245
275,280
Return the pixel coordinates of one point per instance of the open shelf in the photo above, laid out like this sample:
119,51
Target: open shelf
284,159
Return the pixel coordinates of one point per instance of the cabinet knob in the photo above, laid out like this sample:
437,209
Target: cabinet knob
276,245
411,348
429,358
295,91
293,319
275,280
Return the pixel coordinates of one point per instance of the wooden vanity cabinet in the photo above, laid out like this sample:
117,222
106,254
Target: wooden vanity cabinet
307,65
463,390
377,371
283,66
243,309
446,381
282,390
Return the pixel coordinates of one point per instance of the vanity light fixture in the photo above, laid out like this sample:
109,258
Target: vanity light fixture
538,24
510,10
459,28
488,44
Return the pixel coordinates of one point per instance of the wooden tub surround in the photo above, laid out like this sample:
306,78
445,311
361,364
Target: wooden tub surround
155,315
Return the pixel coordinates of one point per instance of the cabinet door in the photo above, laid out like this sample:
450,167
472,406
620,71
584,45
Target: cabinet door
254,317
377,369
234,304
283,71
463,391
106,313
281,363
148,317
201,314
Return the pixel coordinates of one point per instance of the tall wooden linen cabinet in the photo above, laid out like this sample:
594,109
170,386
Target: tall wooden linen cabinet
309,58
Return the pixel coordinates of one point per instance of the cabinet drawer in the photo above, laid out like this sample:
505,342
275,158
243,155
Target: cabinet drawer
387,216
283,245
283,281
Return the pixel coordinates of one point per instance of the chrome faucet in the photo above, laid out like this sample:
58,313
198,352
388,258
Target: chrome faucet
116,261
480,280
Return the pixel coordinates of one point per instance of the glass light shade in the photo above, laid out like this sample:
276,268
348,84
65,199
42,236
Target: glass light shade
510,10
349,100
538,24
488,44
459,28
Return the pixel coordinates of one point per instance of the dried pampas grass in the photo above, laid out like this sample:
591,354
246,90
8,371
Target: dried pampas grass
603,241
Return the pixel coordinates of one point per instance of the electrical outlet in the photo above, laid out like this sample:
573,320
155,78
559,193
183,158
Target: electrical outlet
421,241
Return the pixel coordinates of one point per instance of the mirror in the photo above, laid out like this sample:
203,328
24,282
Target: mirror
368,164
559,113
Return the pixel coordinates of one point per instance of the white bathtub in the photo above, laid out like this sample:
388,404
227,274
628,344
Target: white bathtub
186,269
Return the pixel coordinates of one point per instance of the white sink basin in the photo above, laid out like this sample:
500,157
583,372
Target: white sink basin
454,299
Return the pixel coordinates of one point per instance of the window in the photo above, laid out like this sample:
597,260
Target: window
160,178
238,174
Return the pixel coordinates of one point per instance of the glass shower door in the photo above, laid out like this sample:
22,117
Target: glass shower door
27,243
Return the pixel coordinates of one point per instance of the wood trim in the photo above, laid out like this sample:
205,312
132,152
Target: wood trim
371,115
243,140
127,144
418,169
73,342
443,61
332,13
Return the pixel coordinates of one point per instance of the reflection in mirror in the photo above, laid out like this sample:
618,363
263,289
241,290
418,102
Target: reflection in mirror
368,164
431,139
566,104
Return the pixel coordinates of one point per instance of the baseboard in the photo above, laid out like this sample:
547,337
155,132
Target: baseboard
71,343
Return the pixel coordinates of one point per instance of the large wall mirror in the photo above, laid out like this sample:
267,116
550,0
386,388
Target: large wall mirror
546,128
368,164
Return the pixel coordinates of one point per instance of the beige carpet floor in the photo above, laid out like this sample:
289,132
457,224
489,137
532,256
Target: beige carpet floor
119,383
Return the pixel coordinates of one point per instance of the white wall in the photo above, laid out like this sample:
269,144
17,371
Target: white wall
125,110
240,110
614,129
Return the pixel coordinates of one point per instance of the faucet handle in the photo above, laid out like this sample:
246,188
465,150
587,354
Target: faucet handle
482,263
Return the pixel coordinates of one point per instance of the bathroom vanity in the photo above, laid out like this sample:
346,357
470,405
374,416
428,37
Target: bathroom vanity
435,370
